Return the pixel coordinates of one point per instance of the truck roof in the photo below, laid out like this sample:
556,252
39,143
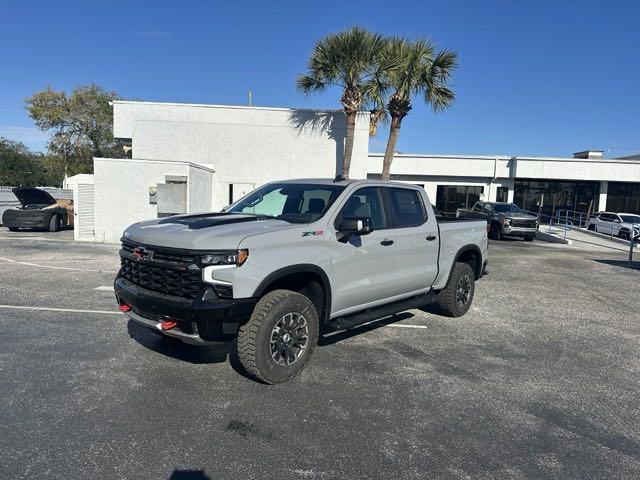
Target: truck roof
331,181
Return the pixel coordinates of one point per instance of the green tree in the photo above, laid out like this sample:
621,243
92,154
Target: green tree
352,61
81,124
419,71
21,167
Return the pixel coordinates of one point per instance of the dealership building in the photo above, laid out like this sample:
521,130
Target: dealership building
193,158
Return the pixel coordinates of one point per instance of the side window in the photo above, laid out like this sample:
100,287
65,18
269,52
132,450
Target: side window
478,207
405,207
365,202
605,217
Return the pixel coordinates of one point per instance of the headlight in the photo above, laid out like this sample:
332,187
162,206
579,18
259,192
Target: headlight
506,221
234,257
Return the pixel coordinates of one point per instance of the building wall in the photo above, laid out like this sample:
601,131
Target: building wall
244,145
122,192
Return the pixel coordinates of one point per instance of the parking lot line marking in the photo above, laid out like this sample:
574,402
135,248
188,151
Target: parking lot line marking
104,288
55,267
52,309
406,326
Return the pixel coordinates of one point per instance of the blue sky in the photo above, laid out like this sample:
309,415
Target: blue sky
535,77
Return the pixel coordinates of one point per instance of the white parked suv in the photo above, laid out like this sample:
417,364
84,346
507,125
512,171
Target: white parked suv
617,224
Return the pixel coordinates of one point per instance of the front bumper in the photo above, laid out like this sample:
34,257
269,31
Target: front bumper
205,319
519,231
25,219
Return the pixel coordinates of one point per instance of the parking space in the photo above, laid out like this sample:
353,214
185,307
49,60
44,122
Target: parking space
539,380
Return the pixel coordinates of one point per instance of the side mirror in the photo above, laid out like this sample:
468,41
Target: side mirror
617,220
357,225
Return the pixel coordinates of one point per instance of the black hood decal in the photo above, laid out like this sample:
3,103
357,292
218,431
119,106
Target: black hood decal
206,220
31,196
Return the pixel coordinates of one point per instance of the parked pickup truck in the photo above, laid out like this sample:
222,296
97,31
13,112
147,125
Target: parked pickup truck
503,219
292,260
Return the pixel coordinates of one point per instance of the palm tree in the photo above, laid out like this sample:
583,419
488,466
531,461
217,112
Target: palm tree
351,60
417,71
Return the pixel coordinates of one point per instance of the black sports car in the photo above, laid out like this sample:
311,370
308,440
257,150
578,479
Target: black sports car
39,210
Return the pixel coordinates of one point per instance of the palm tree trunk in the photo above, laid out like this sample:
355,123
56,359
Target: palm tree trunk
348,142
394,132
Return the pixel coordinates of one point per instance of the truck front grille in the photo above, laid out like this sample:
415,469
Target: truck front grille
523,223
167,272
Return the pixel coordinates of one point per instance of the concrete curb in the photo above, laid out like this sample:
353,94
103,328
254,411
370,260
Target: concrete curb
604,235
551,238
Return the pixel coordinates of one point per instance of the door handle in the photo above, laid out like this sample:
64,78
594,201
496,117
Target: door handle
431,238
386,242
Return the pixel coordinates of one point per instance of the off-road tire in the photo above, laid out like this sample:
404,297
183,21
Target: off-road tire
448,300
54,223
624,234
591,227
494,231
254,337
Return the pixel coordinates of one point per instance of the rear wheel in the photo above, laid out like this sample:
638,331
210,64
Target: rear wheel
457,296
494,231
54,223
591,227
13,229
276,343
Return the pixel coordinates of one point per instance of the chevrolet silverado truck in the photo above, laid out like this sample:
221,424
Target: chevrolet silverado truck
293,260
503,219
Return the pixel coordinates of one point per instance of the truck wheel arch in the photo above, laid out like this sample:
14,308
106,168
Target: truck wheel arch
472,255
308,279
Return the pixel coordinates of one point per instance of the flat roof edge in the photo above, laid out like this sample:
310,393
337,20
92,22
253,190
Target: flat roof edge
235,107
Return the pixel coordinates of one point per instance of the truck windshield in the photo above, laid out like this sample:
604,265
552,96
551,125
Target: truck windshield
506,207
291,202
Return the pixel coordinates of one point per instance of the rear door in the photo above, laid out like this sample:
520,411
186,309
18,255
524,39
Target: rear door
415,240
604,224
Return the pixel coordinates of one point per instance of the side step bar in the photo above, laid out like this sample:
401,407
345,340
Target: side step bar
372,314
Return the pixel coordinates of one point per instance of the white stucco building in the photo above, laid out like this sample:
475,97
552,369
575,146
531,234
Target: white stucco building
189,158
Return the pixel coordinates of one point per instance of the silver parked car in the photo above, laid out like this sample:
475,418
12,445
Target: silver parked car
616,224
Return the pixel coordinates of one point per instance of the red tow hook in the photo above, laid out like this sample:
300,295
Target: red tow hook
168,324
124,308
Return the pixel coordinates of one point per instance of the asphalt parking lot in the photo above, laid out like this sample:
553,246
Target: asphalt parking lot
539,380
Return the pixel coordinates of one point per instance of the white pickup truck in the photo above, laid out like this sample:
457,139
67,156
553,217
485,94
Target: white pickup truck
292,260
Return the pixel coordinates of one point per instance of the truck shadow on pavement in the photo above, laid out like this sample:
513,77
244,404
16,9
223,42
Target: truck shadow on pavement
174,348
620,263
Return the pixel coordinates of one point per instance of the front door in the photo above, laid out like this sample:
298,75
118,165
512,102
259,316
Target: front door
392,261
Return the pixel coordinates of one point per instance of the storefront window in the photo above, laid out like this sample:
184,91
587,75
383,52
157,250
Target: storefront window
451,197
623,197
550,196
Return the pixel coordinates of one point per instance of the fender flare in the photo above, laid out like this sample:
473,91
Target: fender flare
479,262
299,268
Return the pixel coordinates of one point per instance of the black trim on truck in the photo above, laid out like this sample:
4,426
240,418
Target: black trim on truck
213,318
479,260
298,269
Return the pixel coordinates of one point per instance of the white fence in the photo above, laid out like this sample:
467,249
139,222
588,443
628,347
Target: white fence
8,199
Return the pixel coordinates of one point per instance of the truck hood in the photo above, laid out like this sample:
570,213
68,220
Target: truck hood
206,231
29,196
524,215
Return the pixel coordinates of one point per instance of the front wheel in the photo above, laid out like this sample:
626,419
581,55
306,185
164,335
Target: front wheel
528,239
457,296
494,232
13,229
624,234
276,343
